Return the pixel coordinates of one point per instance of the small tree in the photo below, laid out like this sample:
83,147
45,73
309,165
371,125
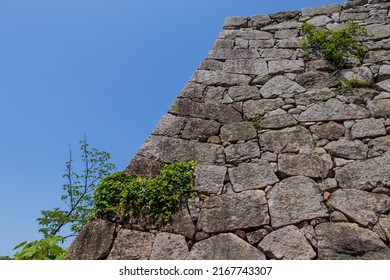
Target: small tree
78,189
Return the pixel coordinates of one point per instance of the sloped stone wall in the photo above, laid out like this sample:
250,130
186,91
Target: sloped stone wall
290,165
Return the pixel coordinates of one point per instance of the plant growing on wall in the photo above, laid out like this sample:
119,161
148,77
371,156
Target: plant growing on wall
131,196
336,46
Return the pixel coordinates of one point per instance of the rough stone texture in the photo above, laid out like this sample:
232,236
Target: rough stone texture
365,174
333,110
313,96
132,245
347,149
379,108
167,149
234,132
93,242
257,111
242,152
227,212
278,121
225,246
294,200
345,241
309,165
287,243
368,128
280,85
286,140
255,175
362,207
168,246
209,178
255,108
330,130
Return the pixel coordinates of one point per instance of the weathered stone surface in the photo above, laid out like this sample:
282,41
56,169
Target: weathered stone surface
245,34
209,178
212,110
280,85
260,20
255,108
294,200
234,132
169,125
384,223
255,175
379,108
346,241
242,93
286,66
320,20
317,80
93,242
199,129
360,206
254,237
232,54
228,212
286,140
333,109
384,85
337,217
309,165
193,91
168,246
287,243
234,22
362,74
380,144
181,223
219,78
347,149
365,174
225,246
246,66
276,54
377,56
211,64
330,130
320,10
278,121
384,73
241,152
144,167
368,128
168,150
314,96
283,25
379,31
132,245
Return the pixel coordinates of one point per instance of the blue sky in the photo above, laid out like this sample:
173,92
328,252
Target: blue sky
107,69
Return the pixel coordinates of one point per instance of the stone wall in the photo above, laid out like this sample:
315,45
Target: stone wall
291,166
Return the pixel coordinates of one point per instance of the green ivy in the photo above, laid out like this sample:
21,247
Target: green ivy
44,249
336,46
127,195
354,82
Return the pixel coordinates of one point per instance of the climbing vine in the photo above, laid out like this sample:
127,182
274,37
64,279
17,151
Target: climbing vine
336,46
131,196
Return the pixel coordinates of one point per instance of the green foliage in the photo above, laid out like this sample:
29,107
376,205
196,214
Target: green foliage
337,46
256,123
78,190
5,258
352,83
44,249
130,196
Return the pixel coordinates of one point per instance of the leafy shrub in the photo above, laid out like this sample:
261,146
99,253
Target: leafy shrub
44,249
336,46
352,83
126,195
